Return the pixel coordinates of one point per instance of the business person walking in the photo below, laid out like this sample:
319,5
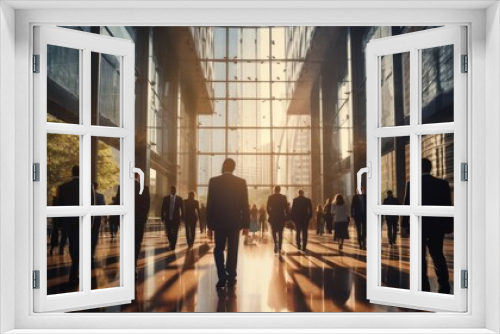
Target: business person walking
172,212
227,214
435,192
277,209
302,212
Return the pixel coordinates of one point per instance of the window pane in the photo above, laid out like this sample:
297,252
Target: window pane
212,140
395,253
437,84
63,85
437,254
249,141
439,150
394,169
105,248
105,89
63,255
105,170
255,169
63,160
395,89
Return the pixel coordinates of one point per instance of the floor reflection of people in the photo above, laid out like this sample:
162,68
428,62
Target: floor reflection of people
277,295
191,214
342,281
227,214
277,208
301,213
391,221
227,300
172,212
435,192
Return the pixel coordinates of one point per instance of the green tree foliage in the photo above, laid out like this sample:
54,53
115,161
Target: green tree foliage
63,153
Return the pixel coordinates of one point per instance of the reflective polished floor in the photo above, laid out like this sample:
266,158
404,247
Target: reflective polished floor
324,279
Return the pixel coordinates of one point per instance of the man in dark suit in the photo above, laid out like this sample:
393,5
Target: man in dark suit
435,192
301,213
358,212
172,212
142,203
392,221
277,209
227,213
97,220
68,194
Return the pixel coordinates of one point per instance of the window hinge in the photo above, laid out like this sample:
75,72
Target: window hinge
36,172
465,64
36,279
464,173
465,279
36,63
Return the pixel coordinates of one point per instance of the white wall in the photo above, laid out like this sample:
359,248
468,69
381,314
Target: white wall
492,153
7,163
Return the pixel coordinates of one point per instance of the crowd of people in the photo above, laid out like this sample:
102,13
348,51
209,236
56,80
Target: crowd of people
228,212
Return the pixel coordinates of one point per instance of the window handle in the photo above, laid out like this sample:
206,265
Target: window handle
139,171
368,171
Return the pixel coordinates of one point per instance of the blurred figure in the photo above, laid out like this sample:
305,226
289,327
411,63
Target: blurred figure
68,194
227,214
192,212
172,212
54,233
358,211
203,219
328,215
434,192
114,221
96,220
340,215
278,210
254,220
320,220
301,213
392,221
262,221
142,204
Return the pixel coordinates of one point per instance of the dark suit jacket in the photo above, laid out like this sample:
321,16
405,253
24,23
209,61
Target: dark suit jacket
178,213
390,201
302,210
69,194
435,192
277,208
358,207
227,203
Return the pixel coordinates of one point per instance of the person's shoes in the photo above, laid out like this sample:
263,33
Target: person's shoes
341,246
275,249
298,246
220,284
171,248
231,283
304,249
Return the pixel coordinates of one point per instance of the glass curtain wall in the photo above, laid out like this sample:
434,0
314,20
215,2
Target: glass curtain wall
254,72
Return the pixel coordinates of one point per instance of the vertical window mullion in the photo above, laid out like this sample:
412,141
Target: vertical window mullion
85,172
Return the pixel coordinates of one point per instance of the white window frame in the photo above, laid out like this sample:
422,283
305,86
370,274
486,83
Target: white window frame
483,21
85,43
414,43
